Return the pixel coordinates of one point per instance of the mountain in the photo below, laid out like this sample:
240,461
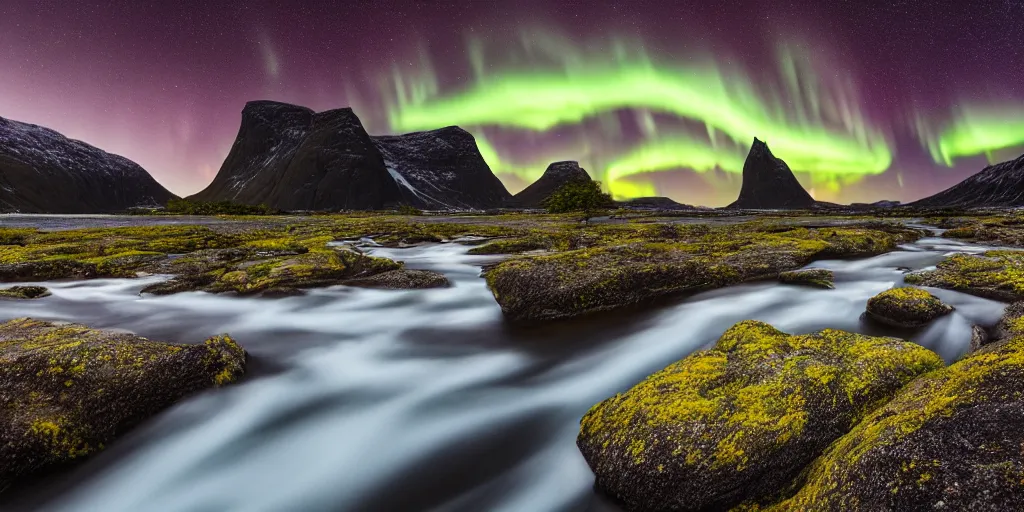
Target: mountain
654,203
42,171
557,175
442,168
997,185
769,184
291,158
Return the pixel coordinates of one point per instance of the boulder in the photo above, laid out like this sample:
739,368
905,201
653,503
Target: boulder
24,292
587,280
402,279
906,307
66,390
814,277
951,440
997,275
738,422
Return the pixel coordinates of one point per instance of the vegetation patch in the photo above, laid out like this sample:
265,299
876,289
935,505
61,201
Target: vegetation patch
951,440
906,307
24,292
813,277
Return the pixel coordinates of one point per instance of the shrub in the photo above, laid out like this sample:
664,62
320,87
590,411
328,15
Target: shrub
409,210
578,196
187,207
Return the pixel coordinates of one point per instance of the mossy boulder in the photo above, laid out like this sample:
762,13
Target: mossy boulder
951,440
613,275
906,307
324,267
403,279
67,390
1011,325
997,275
815,277
738,422
24,292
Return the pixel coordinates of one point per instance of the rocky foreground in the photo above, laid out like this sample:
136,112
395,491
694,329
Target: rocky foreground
764,420
67,390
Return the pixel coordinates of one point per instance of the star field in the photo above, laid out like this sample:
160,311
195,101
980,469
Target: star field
163,83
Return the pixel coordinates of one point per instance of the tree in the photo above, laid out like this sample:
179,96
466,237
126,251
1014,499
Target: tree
579,196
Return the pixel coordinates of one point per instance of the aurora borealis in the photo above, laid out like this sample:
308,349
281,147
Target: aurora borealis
864,102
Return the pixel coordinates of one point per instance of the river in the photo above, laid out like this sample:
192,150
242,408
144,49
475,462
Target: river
376,400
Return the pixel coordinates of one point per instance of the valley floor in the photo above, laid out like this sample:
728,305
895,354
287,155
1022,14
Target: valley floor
451,357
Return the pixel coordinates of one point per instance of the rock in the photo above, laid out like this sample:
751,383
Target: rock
738,422
273,276
951,437
404,279
443,169
906,307
999,185
577,282
979,338
46,270
24,292
1011,325
67,390
769,184
997,275
42,171
556,176
816,277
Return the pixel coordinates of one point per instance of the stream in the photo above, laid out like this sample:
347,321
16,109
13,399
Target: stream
379,400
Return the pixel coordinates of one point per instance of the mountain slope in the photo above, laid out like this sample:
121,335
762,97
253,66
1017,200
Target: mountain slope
768,183
42,171
290,158
1001,184
557,175
443,169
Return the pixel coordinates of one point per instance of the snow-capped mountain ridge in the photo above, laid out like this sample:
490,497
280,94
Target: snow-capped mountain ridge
42,171
998,185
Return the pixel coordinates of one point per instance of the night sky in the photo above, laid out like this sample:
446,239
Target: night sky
866,100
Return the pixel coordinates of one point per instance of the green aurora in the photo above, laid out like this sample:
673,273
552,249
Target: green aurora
975,130
817,126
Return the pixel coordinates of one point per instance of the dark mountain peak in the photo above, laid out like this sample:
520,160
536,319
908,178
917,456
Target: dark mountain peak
291,158
276,115
768,183
570,168
442,169
556,176
998,185
42,171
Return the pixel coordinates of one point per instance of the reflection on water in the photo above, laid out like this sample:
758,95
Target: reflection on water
413,400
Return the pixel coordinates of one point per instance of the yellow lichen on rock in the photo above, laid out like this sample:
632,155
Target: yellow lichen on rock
738,421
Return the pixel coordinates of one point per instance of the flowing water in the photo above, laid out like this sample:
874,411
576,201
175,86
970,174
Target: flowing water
369,400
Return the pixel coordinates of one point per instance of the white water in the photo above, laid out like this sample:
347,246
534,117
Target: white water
418,400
